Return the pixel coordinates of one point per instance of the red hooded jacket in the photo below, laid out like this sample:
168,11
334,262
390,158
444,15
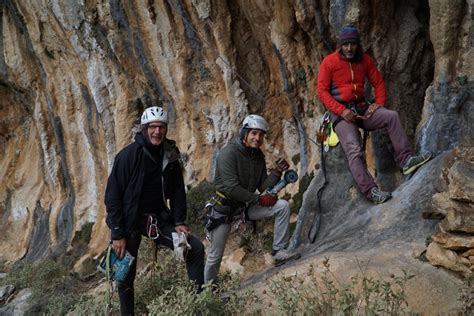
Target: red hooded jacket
342,81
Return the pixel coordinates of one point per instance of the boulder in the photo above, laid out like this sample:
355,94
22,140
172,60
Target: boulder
5,292
459,218
19,305
437,209
461,186
439,256
454,241
233,261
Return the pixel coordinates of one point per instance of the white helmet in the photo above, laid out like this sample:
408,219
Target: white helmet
154,114
254,121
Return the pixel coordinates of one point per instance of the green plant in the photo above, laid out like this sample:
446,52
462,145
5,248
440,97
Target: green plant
196,200
61,303
84,235
40,276
302,186
86,305
47,280
323,294
462,79
260,241
466,296
225,299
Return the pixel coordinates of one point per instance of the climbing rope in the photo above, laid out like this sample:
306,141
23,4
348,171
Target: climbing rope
109,280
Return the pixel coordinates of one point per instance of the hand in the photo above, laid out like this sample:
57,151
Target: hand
267,199
281,165
348,116
119,246
373,107
183,229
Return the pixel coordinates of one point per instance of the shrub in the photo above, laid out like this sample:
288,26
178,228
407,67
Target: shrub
225,299
466,296
196,200
83,236
325,295
303,185
86,305
41,276
166,290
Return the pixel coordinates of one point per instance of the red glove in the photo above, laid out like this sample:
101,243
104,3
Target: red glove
267,200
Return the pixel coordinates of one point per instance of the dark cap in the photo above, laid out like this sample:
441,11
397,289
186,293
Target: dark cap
349,34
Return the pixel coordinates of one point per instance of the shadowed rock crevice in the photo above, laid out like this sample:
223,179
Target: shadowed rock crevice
39,246
251,59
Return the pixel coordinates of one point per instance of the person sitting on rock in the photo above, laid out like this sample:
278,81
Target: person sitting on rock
240,171
340,86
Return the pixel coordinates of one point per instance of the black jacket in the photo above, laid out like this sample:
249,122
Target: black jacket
124,186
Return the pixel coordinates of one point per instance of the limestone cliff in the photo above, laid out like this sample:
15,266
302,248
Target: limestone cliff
75,75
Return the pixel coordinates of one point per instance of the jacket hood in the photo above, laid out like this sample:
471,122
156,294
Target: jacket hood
140,139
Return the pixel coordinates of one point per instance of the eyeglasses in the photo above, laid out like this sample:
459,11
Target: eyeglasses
152,227
160,126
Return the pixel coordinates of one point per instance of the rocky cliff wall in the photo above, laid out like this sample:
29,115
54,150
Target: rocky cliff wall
75,75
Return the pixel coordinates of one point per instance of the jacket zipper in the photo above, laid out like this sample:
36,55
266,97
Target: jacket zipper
354,87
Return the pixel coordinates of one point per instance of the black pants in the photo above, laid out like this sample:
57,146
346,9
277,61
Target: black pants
194,264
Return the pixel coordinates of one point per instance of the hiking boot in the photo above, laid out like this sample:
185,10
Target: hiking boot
415,162
282,256
378,196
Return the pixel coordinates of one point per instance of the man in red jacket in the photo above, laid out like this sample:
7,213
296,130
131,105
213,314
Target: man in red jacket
340,86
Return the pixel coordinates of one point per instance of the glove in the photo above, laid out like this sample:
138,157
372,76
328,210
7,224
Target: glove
180,245
267,200
348,116
281,165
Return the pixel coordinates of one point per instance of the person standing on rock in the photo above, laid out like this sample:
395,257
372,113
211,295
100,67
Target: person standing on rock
340,86
240,172
145,175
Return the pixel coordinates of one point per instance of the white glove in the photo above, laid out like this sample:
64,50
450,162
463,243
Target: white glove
181,245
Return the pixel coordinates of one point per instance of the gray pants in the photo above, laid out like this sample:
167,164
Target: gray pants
281,231
349,137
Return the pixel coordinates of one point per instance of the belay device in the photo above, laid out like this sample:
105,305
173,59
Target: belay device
290,177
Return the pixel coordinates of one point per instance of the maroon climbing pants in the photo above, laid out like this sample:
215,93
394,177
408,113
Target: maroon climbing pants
351,141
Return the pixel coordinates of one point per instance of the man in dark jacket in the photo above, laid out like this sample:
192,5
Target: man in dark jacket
340,86
145,175
240,171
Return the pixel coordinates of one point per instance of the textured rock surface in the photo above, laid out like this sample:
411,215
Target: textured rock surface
74,76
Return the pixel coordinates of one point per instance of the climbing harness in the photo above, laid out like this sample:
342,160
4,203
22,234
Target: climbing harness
218,210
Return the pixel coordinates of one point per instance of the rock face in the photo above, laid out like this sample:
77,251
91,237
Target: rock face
75,75
452,243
